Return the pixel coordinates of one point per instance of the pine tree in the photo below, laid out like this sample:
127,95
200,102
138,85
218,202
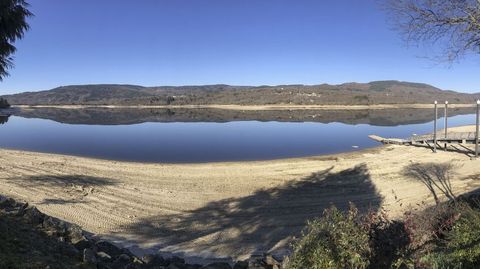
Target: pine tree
13,24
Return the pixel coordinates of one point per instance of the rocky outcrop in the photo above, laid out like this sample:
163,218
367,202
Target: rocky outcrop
59,244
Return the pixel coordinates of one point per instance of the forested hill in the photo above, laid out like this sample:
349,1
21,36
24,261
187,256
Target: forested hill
378,92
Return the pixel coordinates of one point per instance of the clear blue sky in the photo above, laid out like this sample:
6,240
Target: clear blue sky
240,42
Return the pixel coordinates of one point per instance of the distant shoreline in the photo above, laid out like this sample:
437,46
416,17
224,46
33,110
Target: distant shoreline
253,107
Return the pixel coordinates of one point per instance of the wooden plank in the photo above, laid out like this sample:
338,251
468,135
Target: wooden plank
456,137
377,138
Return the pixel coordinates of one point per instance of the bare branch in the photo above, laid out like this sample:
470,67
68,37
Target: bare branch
453,25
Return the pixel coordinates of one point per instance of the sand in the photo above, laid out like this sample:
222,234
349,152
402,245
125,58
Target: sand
220,209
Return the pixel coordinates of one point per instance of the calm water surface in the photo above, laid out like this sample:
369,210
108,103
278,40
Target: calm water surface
181,142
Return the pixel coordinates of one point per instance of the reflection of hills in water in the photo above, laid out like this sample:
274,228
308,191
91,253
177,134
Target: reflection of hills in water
3,119
122,116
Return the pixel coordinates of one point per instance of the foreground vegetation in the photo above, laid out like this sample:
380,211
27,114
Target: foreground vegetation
444,236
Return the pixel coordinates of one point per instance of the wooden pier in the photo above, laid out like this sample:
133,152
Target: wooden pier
451,138
436,138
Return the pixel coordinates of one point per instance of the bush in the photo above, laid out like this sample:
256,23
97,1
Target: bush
4,103
444,236
389,241
426,227
460,248
337,240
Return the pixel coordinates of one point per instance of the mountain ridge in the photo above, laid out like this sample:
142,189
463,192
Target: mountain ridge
351,93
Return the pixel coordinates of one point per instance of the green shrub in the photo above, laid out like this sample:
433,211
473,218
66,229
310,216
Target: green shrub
389,241
337,240
425,228
461,246
444,236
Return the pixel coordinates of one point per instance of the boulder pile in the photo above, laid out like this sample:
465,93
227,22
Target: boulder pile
76,249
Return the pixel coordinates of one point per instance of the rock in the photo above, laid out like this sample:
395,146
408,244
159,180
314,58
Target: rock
103,266
122,261
89,256
7,203
55,226
150,258
218,265
153,260
176,259
135,264
272,261
257,263
285,262
83,244
70,251
48,223
109,248
60,226
3,201
241,265
33,215
74,233
175,265
103,257
137,260
21,210
85,265
126,251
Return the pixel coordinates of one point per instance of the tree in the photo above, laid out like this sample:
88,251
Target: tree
13,24
454,25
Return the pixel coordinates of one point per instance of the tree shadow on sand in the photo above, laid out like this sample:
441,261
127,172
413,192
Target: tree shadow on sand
263,221
75,186
62,181
436,177
59,202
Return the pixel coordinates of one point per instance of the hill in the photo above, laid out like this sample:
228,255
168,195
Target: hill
378,92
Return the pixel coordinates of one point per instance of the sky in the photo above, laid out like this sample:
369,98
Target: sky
237,42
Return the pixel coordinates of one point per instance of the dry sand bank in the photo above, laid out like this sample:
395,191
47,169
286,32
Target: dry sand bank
257,107
220,209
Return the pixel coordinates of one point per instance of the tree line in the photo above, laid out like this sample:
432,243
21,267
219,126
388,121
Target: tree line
4,103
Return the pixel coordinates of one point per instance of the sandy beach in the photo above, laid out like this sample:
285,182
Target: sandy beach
221,209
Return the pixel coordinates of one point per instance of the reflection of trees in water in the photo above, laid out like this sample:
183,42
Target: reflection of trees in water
3,119
107,116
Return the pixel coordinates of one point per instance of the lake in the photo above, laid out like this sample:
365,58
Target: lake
194,136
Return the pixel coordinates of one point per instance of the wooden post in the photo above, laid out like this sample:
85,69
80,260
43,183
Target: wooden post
435,128
446,123
476,128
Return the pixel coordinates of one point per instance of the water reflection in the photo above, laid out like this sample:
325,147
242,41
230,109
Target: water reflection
204,135
3,119
124,116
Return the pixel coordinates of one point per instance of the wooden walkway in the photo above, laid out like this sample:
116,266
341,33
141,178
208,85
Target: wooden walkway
452,138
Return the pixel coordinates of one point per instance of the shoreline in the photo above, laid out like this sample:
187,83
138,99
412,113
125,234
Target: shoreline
327,156
222,209
252,107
